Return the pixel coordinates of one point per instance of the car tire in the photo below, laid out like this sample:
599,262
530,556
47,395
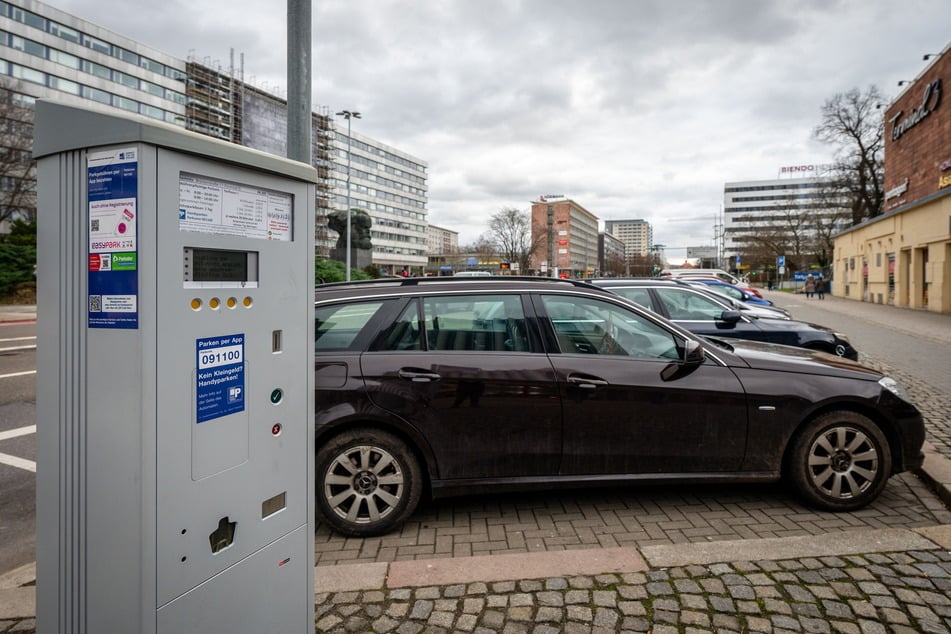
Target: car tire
840,461
368,482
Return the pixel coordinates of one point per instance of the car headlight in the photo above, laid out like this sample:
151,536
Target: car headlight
894,387
841,337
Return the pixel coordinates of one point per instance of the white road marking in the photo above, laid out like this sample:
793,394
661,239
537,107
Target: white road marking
33,347
15,433
19,463
13,374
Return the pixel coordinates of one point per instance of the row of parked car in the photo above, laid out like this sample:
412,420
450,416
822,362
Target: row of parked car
442,386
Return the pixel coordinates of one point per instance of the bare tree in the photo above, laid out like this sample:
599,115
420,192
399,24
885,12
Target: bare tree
852,122
511,231
832,216
17,167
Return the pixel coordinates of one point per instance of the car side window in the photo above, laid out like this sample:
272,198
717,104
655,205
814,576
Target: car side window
476,323
585,325
688,306
336,327
403,333
640,295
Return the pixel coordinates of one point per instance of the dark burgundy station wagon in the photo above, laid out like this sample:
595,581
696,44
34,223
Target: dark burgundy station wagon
443,386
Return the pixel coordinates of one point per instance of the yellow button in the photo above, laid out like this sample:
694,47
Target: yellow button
247,302
232,302
214,303
196,304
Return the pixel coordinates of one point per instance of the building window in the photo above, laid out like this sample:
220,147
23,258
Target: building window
152,65
127,104
96,45
152,89
125,55
152,111
64,85
100,96
70,61
98,70
126,80
64,32
28,74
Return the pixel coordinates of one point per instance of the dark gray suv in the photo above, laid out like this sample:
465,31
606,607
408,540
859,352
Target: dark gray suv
442,386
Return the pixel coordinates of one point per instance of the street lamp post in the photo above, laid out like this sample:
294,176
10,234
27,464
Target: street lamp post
348,114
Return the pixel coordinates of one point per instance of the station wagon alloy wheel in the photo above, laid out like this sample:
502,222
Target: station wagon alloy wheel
840,461
843,462
366,482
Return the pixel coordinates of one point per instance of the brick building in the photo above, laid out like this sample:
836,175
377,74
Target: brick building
566,238
903,257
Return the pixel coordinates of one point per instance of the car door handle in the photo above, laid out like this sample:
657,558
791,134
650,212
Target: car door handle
417,376
586,382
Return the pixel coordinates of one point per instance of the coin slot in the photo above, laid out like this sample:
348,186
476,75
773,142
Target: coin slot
277,337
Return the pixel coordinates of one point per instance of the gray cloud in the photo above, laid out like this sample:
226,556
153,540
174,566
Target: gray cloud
639,108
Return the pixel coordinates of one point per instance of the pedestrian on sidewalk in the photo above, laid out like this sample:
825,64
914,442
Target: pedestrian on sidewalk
821,287
810,286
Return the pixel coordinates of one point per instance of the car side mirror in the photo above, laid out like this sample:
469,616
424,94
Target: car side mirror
694,357
693,353
730,316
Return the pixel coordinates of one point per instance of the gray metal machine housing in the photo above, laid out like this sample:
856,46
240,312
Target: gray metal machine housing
175,434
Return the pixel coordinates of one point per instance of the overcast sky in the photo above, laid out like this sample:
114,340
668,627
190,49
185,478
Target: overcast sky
633,108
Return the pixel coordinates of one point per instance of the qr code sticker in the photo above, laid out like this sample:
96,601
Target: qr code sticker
95,303
94,224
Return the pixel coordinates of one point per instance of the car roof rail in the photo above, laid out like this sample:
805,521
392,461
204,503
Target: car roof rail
416,281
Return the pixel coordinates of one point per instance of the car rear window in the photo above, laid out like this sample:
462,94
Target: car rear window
336,327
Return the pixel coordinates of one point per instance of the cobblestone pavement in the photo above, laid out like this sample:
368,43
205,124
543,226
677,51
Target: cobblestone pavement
898,592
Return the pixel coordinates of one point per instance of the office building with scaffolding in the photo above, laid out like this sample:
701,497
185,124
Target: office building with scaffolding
47,53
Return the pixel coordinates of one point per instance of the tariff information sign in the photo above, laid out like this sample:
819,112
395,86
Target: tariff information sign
208,205
219,389
112,179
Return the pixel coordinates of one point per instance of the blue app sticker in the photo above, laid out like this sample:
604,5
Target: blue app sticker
219,388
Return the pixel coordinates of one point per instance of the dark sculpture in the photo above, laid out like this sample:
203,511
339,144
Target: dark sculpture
360,223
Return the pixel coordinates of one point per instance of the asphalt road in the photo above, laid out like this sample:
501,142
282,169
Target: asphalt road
17,445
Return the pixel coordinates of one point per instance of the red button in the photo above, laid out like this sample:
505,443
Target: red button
276,429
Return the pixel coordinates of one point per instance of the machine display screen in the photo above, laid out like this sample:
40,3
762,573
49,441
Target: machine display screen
218,267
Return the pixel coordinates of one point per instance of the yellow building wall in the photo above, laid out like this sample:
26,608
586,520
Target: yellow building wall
902,259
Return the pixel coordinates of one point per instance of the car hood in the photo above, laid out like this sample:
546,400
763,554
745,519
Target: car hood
787,325
775,357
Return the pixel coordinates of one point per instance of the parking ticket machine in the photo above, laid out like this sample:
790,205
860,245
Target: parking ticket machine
175,391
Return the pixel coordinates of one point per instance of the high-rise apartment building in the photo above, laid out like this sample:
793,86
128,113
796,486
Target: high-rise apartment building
636,234
45,52
441,241
391,186
566,238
